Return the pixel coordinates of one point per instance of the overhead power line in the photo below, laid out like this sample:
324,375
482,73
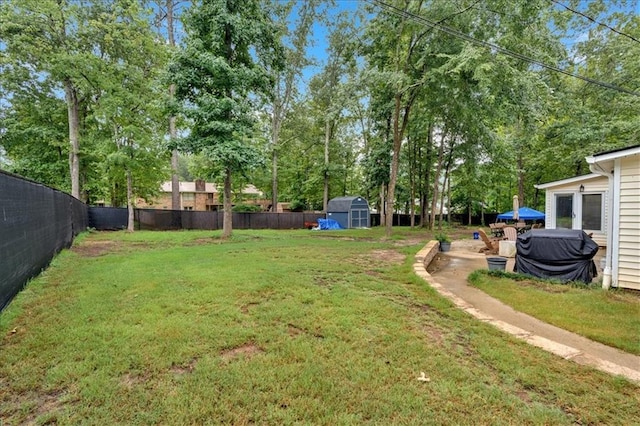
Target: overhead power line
577,12
494,47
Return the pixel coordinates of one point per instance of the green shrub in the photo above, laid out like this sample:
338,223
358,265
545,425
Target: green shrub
247,208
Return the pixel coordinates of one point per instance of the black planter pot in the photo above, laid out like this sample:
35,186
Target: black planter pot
497,263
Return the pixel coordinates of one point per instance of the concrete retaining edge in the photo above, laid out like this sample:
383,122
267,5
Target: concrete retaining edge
423,259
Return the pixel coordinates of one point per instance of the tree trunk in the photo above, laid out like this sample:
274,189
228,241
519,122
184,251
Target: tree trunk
424,196
274,177
443,193
71,95
521,177
449,200
173,133
436,183
276,121
130,219
393,177
383,206
412,182
175,179
227,218
327,138
446,184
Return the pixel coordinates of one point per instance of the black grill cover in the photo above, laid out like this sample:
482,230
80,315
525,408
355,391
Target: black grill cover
562,254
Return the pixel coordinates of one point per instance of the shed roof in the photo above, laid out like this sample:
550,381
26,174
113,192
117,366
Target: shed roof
343,204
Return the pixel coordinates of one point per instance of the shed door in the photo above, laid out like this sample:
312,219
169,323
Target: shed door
359,218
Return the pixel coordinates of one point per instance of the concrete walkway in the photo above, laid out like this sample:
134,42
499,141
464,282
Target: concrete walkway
451,282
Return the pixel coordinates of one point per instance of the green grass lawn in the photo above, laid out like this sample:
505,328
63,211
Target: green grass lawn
273,327
611,317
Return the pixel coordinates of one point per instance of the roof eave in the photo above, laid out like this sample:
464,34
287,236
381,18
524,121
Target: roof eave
567,181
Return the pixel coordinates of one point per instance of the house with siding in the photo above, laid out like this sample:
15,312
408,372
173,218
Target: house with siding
605,203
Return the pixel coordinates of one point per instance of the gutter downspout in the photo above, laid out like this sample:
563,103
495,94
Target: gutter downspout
597,168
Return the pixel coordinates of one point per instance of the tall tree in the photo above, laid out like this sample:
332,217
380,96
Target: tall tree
287,78
166,15
219,76
55,40
173,131
33,133
129,106
329,91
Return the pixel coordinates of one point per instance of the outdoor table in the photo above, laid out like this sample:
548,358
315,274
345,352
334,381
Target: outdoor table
496,230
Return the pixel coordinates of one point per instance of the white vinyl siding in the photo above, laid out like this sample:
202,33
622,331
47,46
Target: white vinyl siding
629,229
593,184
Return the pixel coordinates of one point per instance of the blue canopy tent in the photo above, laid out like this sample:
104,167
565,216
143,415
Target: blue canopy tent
524,213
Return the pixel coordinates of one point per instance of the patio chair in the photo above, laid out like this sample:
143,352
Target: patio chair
492,245
510,233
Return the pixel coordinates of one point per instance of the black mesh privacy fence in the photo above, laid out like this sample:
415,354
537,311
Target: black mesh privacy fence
107,218
102,218
110,218
36,222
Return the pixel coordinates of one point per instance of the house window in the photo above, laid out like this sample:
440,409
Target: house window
188,196
592,212
188,207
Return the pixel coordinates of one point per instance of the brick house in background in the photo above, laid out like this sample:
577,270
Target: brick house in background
202,196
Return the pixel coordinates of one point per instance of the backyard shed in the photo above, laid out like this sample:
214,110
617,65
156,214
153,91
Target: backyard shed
349,212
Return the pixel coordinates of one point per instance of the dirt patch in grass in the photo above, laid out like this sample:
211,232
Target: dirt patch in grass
433,334
388,256
293,331
246,308
409,242
524,396
323,282
542,286
202,241
378,258
47,403
625,295
95,248
130,380
246,350
186,368
98,248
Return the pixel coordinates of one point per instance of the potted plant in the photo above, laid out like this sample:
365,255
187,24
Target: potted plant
445,242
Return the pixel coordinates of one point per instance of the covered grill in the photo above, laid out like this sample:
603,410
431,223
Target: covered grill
562,254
